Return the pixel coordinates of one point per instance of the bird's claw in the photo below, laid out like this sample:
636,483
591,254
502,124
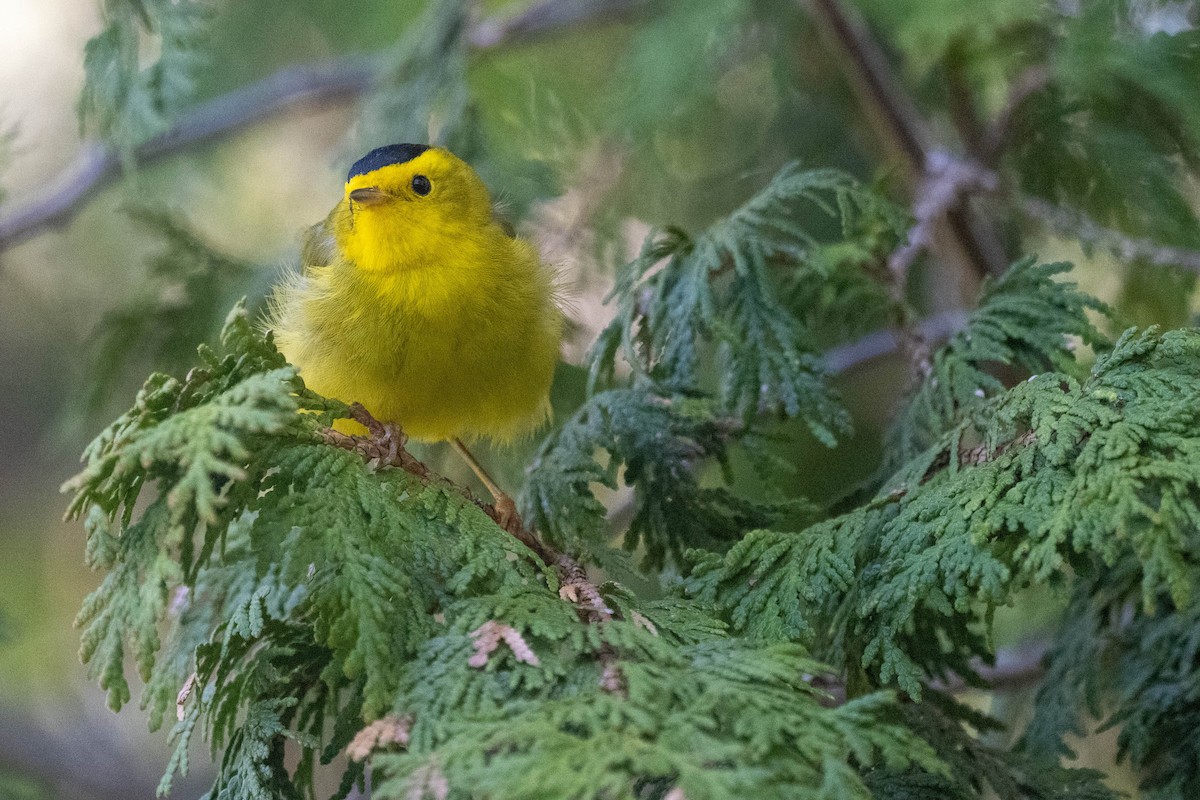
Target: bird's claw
506,514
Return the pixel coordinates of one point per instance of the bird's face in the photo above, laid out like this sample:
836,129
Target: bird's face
404,204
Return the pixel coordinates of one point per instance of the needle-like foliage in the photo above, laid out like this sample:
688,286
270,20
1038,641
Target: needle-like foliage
1024,321
655,445
1065,470
721,289
124,99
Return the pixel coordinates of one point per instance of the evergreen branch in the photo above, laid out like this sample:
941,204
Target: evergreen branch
1022,320
871,76
98,164
385,447
1075,224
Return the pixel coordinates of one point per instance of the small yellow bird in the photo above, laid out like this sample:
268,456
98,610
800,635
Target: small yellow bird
417,302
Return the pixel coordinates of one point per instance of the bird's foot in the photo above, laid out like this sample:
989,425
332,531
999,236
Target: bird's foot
506,515
387,442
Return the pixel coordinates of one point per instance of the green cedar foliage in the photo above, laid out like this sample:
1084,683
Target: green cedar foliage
127,102
1048,475
721,289
1021,320
308,592
296,594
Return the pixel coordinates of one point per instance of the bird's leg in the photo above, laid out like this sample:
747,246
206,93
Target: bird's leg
387,434
506,509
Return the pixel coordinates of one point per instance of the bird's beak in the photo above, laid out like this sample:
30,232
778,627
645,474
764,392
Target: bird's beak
369,196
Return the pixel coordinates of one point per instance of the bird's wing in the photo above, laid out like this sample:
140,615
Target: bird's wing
504,222
318,245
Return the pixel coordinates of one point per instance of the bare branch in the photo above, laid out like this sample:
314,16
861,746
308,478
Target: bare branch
97,164
1077,225
871,76
885,342
548,17
1027,84
946,183
1018,667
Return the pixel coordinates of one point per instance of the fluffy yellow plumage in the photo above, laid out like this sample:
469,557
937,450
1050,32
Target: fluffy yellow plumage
417,303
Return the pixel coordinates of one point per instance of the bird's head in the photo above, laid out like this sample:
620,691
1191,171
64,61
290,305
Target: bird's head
405,201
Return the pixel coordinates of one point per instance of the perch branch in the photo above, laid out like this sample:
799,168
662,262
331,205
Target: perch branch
385,447
98,164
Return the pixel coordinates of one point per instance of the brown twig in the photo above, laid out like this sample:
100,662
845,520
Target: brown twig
98,164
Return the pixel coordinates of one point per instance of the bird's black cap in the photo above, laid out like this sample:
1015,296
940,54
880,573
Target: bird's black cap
382,156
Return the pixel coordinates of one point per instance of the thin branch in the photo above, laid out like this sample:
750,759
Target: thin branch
1033,80
98,164
549,17
871,76
947,182
885,342
1077,225
1015,668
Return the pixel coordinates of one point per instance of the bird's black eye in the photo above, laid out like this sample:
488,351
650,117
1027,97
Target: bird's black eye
421,185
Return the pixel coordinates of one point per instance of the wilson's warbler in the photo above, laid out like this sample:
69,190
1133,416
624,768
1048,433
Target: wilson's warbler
415,301
419,304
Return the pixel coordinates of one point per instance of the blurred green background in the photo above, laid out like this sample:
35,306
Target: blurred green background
672,113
